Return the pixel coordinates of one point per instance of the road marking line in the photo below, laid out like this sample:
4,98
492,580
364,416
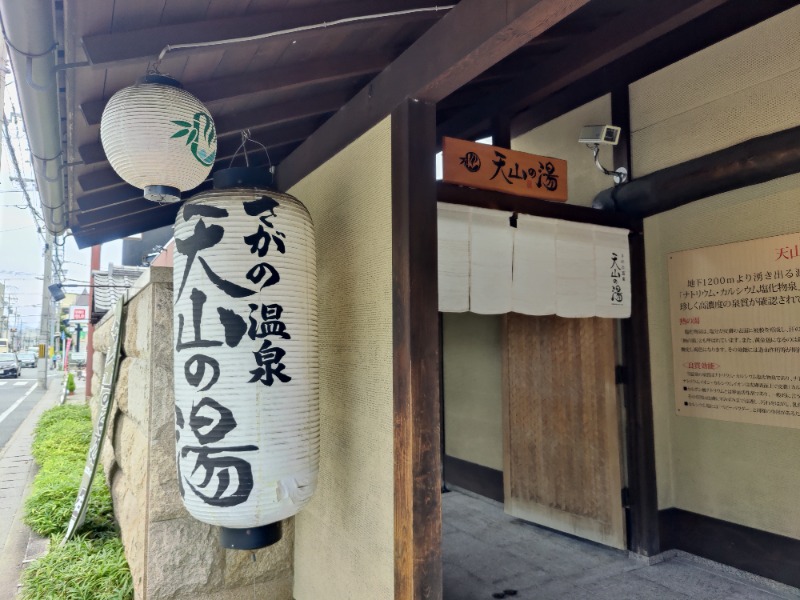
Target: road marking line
10,409
21,383
3,382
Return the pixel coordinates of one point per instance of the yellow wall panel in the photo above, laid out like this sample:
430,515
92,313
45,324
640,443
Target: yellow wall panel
559,138
743,87
473,389
738,472
344,544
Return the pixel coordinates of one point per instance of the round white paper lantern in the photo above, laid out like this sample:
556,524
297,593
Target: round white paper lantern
246,358
159,137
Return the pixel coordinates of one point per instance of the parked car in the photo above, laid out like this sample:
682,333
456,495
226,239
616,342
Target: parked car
27,359
9,365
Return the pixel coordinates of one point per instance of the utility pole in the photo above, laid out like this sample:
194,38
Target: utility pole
44,328
2,307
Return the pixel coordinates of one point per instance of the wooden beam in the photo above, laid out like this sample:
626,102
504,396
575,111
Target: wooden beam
751,162
159,216
621,117
109,213
275,114
92,153
627,33
143,45
643,534
455,194
642,510
291,77
107,197
468,40
271,137
417,471
501,132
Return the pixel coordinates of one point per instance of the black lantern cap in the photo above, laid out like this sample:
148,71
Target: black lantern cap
250,539
242,177
159,78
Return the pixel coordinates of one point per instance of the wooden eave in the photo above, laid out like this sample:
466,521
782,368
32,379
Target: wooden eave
307,95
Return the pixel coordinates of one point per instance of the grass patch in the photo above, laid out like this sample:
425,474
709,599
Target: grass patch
49,507
92,565
61,441
83,569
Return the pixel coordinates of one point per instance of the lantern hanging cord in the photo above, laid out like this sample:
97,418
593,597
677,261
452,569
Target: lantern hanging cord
263,36
243,148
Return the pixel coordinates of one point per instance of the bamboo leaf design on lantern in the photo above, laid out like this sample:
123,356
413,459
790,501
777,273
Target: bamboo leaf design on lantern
199,142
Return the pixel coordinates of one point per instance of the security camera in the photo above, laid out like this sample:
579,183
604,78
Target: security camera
599,134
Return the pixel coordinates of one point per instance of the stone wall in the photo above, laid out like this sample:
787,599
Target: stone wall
171,555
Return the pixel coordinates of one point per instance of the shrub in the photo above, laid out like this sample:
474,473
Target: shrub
70,383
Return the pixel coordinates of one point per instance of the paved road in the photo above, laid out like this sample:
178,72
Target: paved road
17,397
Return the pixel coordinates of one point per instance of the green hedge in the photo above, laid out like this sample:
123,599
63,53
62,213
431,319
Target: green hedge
92,565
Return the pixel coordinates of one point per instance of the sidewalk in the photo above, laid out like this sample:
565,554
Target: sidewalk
17,470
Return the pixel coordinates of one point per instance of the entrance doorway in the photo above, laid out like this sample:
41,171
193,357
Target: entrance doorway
561,426
531,405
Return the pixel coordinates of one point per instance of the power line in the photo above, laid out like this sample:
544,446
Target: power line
37,217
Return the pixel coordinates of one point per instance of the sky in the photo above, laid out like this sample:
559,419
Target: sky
21,247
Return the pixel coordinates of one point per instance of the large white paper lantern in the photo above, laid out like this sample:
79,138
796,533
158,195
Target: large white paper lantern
159,137
246,358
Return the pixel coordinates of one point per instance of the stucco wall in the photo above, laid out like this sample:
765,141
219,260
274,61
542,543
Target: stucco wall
559,138
345,536
473,388
171,555
741,88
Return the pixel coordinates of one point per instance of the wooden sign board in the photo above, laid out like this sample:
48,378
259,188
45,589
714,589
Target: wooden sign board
735,331
499,169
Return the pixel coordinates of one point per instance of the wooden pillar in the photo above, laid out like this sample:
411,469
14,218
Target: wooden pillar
417,497
94,265
501,132
643,533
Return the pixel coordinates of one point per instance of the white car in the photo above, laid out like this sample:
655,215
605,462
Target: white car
9,365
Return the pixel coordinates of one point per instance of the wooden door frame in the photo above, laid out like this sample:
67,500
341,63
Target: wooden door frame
643,530
415,322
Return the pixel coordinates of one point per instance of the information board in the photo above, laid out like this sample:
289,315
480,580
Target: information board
735,321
